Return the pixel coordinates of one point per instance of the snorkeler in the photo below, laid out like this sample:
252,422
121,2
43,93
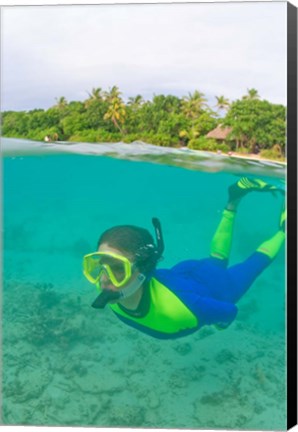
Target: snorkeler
171,303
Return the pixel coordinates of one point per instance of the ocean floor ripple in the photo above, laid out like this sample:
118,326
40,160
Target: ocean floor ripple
65,365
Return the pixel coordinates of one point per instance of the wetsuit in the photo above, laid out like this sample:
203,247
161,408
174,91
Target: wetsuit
194,293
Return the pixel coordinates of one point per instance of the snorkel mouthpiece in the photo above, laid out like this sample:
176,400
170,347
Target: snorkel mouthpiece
104,298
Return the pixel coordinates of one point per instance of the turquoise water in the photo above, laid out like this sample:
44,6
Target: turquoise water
65,363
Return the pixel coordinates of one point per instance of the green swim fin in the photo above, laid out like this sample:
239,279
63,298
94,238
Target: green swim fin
246,184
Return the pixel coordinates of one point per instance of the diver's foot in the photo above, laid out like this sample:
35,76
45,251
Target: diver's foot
246,184
283,219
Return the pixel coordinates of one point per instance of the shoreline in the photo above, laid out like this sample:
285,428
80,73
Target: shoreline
250,156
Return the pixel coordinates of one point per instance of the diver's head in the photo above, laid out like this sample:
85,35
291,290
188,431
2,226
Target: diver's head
133,242
125,258
119,268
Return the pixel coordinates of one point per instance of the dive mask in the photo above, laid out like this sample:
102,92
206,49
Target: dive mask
117,267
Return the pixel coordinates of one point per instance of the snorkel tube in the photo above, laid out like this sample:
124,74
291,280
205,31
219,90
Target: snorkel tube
159,237
147,252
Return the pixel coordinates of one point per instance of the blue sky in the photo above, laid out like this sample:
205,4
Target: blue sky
218,49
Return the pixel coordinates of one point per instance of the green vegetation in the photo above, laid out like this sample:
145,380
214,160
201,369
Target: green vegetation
253,125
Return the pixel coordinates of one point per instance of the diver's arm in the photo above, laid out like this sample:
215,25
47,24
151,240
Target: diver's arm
210,311
193,294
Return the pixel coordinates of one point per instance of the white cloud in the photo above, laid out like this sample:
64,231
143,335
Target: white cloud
217,48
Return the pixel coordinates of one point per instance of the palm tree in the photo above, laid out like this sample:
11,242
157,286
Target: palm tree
116,111
192,105
222,103
114,92
191,134
252,94
95,95
61,103
135,102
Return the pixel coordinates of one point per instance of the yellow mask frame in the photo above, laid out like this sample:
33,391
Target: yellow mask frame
93,268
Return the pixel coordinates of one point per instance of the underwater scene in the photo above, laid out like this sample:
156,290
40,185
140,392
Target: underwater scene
66,363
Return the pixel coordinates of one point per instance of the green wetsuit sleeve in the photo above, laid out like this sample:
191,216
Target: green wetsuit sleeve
222,240
272,246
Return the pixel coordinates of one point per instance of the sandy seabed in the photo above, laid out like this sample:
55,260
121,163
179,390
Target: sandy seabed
68,364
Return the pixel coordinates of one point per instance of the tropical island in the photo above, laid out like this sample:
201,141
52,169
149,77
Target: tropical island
247,126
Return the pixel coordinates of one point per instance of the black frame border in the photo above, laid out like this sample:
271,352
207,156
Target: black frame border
292,216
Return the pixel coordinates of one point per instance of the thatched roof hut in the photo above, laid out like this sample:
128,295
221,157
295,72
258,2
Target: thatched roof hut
220,133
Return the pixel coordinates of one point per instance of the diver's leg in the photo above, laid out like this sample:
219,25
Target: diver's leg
222,240
244,274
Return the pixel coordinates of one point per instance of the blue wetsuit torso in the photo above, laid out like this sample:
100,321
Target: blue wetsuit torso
192,294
